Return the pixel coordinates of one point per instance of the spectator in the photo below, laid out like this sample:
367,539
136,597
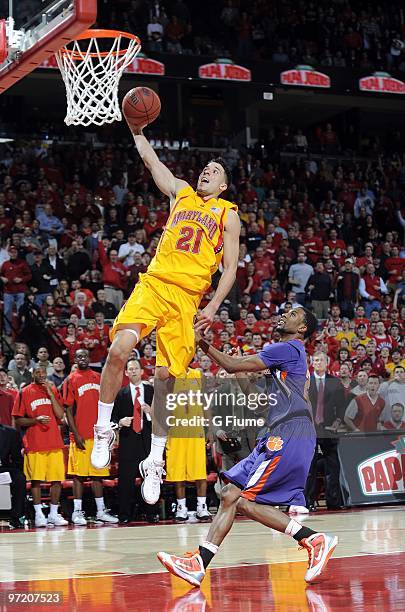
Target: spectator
371,288
58,374
114,276
320,287
397,418
101,305
41,278
43,360
298,276
57,264
361,380
393,391
79,308
364,411
49,225
127,251
347,289
15,275
20,374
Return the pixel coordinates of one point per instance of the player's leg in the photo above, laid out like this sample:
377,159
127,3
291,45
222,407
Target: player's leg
125,339
181,509
192,567
175,348
55,473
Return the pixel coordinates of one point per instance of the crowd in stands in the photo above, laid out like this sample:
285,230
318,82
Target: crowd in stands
339,33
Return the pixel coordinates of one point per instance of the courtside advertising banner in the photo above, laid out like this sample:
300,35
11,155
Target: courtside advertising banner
372,468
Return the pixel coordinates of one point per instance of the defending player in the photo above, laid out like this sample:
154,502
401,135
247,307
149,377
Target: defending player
276,470
202,229
80,391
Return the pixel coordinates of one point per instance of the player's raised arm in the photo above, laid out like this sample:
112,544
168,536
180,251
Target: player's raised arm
231,363
163,177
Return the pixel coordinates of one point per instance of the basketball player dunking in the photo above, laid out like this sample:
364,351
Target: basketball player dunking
276,470
202,229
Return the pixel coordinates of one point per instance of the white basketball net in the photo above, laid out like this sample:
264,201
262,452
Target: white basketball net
91,78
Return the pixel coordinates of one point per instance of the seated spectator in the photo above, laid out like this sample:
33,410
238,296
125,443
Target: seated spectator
364,411
49,225
397,418
77,287
20,373
114,276
101,305
11,461
79,308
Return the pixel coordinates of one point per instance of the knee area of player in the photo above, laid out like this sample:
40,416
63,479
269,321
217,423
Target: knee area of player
162,373
229,495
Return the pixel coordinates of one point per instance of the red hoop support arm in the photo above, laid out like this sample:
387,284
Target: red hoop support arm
84,17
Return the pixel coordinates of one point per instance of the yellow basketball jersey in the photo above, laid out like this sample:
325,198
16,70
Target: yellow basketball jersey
191,246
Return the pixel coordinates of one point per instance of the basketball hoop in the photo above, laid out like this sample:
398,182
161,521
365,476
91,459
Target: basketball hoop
91,75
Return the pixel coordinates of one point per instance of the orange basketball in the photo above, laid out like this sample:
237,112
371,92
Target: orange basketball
140,106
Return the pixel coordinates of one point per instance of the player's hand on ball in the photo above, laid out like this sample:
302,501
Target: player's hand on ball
125,422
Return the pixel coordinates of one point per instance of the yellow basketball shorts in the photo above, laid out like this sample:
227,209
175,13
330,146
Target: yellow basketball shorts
46,466
171,311
186,459
79,463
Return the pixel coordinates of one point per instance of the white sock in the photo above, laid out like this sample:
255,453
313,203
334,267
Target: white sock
38,510
181,503
100,503
292,528
209,546
157,447
54,510
104,413
201,501
77,504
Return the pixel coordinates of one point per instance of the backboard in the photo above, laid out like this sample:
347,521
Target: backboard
38,28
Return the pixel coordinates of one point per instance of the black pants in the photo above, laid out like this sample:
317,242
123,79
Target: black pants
17,488
332,469
128,494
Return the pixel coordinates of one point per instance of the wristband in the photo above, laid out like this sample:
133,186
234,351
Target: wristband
203,344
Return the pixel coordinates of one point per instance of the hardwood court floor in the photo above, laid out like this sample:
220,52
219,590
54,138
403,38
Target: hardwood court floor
115,568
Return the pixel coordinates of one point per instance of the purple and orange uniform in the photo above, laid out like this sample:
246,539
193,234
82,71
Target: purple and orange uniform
276,471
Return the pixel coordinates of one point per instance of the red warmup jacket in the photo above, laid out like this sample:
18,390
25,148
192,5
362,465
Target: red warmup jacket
12,269
114,275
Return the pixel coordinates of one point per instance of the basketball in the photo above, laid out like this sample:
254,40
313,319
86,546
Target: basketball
141,106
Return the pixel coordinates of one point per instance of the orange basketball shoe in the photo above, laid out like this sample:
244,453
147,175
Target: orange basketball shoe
320,547
190,567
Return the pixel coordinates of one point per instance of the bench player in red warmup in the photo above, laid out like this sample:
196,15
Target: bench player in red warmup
202,229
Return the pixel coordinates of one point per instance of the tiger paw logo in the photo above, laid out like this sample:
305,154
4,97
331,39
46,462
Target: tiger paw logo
274,443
